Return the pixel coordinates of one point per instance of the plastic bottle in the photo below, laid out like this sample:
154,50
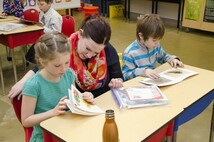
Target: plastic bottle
110,131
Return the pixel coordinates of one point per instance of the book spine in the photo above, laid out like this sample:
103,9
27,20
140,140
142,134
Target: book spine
117,99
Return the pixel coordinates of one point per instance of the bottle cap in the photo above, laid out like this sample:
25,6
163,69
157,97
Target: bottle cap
109,113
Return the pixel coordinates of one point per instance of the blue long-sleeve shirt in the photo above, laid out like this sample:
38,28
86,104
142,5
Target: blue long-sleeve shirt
14,8
137,57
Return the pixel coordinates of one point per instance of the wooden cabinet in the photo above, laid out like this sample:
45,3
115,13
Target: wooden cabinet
198,22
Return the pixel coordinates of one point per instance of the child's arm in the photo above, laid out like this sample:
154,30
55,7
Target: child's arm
30,119
164,57
130,68
55,25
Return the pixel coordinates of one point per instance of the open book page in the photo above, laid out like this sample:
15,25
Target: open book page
78,105
170,76
140,96
7,26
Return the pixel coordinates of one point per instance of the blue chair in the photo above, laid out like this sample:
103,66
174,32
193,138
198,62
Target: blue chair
192,111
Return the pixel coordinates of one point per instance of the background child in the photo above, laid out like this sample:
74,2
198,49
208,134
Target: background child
44,93
13,7
140,58
50,19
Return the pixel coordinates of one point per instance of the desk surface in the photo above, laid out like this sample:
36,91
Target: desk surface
187,92
7,18
191,89
133,124
28,28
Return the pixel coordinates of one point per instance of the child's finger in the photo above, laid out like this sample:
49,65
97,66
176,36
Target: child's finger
63,98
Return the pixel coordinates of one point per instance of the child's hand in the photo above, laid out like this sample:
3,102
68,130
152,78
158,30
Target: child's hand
60,107
151,74
3,14
88,96
175,63
116,83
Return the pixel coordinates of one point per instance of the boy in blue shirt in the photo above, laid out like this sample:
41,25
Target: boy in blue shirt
140,57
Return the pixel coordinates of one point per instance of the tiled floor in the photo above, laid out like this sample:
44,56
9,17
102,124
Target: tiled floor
194,48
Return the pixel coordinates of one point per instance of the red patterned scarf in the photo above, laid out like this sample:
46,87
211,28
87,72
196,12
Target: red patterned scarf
89,76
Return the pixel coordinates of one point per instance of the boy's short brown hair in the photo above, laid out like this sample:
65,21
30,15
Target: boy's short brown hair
150,25
47,1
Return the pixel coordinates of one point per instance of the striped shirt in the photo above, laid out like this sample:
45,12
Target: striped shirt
137,57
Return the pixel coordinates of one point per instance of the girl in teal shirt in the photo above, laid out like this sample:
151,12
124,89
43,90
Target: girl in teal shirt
45,92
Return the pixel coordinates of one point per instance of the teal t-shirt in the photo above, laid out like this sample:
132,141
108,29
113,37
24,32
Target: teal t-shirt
47,94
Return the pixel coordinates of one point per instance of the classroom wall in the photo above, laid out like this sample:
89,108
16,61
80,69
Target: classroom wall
165,10
57,4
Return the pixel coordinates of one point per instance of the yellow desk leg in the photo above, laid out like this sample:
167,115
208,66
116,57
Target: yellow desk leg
14,65
1,75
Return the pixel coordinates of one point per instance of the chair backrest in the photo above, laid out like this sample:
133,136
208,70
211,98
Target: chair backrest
68,25
49,137
31,15
165,131
120,59
17,108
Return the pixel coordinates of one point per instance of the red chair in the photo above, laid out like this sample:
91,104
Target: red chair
17,108
68,25
31,15
28,131
49,137
160,135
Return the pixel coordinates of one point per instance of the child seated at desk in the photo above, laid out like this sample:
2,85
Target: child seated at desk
13,7
140,57
45,92
50,19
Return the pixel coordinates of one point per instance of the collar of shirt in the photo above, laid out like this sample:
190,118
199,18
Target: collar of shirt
46,15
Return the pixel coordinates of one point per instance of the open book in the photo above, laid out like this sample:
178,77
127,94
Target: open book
78,105
170,76
7,26
141,96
